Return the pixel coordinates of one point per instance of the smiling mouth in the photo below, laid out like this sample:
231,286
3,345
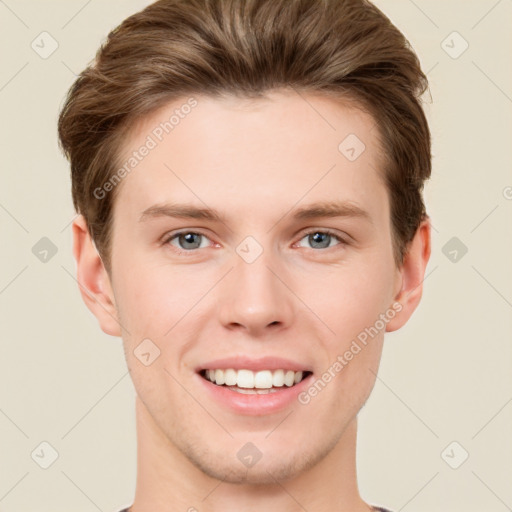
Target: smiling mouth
249,382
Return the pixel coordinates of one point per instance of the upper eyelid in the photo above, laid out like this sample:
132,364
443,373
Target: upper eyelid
173,234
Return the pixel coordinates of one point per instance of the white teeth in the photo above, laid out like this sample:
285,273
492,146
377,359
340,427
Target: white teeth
230,377
278,378
244,391
219,377
244,378
253,391
289,378
263,381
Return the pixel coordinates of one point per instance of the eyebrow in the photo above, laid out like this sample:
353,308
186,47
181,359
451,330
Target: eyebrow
311,211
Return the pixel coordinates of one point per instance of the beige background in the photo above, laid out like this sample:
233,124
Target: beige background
445,377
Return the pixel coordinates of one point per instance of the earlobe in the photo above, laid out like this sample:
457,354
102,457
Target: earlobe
93,279
412,274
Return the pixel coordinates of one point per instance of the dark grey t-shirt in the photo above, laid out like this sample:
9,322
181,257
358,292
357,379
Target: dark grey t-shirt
377,509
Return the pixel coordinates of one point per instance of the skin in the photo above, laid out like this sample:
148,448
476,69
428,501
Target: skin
255,162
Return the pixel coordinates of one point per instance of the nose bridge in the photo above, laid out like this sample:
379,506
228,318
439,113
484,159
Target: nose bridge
253,296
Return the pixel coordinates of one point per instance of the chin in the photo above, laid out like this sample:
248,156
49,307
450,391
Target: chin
260,474
270,469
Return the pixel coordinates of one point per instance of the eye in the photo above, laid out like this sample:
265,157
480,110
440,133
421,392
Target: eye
186,241
321,239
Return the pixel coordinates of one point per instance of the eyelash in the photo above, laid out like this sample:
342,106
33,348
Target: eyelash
167,239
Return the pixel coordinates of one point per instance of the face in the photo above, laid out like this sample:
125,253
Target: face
248,239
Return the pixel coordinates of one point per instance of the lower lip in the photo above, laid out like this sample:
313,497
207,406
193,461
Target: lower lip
254,404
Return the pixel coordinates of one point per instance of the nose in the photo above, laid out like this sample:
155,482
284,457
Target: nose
256,297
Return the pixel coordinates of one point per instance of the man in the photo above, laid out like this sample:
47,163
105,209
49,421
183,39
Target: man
248,176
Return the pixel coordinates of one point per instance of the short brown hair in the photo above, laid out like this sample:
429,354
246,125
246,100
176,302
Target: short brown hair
345,48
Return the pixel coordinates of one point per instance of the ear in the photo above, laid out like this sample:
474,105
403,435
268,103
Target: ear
93,279
412,274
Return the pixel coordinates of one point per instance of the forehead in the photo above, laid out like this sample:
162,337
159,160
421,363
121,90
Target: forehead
285,146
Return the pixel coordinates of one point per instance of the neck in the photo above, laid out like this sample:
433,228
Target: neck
168,480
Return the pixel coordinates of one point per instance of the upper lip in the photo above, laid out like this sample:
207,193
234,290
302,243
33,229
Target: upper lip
249,363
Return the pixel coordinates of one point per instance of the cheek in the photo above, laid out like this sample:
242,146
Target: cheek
152,298
355,382
352,299
358,299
